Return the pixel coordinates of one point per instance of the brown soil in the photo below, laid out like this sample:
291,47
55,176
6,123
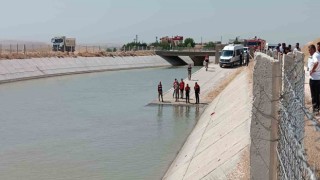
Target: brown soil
217,90
311,144
304,49
45,54
243,168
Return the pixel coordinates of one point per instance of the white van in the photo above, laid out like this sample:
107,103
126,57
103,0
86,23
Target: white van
231,55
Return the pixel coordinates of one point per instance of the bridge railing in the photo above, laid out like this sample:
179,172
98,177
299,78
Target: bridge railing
186,49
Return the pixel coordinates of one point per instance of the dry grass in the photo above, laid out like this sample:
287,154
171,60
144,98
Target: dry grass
243,168
217,90
311,136
46,54
304,49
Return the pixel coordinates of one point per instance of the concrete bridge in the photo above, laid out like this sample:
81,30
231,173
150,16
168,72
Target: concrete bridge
197,56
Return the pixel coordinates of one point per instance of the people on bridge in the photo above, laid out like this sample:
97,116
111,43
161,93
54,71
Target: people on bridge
187,93
197,92
314,76
189,71
160,94
181,87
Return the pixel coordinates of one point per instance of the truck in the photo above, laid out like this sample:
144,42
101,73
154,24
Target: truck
61,43
255,44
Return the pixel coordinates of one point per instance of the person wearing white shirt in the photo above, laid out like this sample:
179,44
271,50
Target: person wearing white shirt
314,77
297,48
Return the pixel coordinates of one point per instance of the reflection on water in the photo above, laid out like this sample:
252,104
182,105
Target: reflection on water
92,126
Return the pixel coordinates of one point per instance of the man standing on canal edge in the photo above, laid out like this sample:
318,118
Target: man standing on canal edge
176,90
247,58
314,77
197,92
160,91
187,93
181,88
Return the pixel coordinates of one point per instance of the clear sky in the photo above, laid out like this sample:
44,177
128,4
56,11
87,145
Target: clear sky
118,21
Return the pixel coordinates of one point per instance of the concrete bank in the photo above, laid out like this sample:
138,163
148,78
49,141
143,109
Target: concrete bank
218,147
207,80
16,69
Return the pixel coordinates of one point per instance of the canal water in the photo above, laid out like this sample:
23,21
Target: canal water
91,126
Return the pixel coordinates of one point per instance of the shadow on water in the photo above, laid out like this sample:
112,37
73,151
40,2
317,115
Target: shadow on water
181,112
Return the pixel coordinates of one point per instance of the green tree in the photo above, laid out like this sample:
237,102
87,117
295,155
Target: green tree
236,41
165,45
210,44
134,46
189,42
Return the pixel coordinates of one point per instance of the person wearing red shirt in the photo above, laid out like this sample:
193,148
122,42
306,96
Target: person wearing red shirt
187,93
181,87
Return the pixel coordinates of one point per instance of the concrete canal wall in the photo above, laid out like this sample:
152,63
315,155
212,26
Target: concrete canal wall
219,145
16,69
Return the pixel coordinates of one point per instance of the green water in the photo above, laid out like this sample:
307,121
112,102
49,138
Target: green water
91,126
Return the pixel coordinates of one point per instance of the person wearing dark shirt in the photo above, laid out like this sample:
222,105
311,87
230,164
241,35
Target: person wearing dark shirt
197,92
160,91
187,89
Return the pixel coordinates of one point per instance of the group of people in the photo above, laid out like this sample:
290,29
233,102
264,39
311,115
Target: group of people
314,71
246,58
179,88
284,49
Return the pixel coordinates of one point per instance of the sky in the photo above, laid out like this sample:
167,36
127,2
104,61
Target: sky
119,21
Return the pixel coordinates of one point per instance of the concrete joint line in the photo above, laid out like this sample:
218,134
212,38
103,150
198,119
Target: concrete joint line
193,155
222,137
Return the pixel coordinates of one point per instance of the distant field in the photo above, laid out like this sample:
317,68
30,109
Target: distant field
24,51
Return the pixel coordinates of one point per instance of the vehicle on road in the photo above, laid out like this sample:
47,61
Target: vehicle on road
230,55
255,44
271,46
245,49
63,44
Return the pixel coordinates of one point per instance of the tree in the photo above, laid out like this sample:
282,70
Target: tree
210,44
236,41
134,46
189,42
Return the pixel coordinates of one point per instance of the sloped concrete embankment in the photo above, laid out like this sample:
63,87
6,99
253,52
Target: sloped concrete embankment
218,147
15,70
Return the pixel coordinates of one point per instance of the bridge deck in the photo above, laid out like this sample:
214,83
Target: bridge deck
207,80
